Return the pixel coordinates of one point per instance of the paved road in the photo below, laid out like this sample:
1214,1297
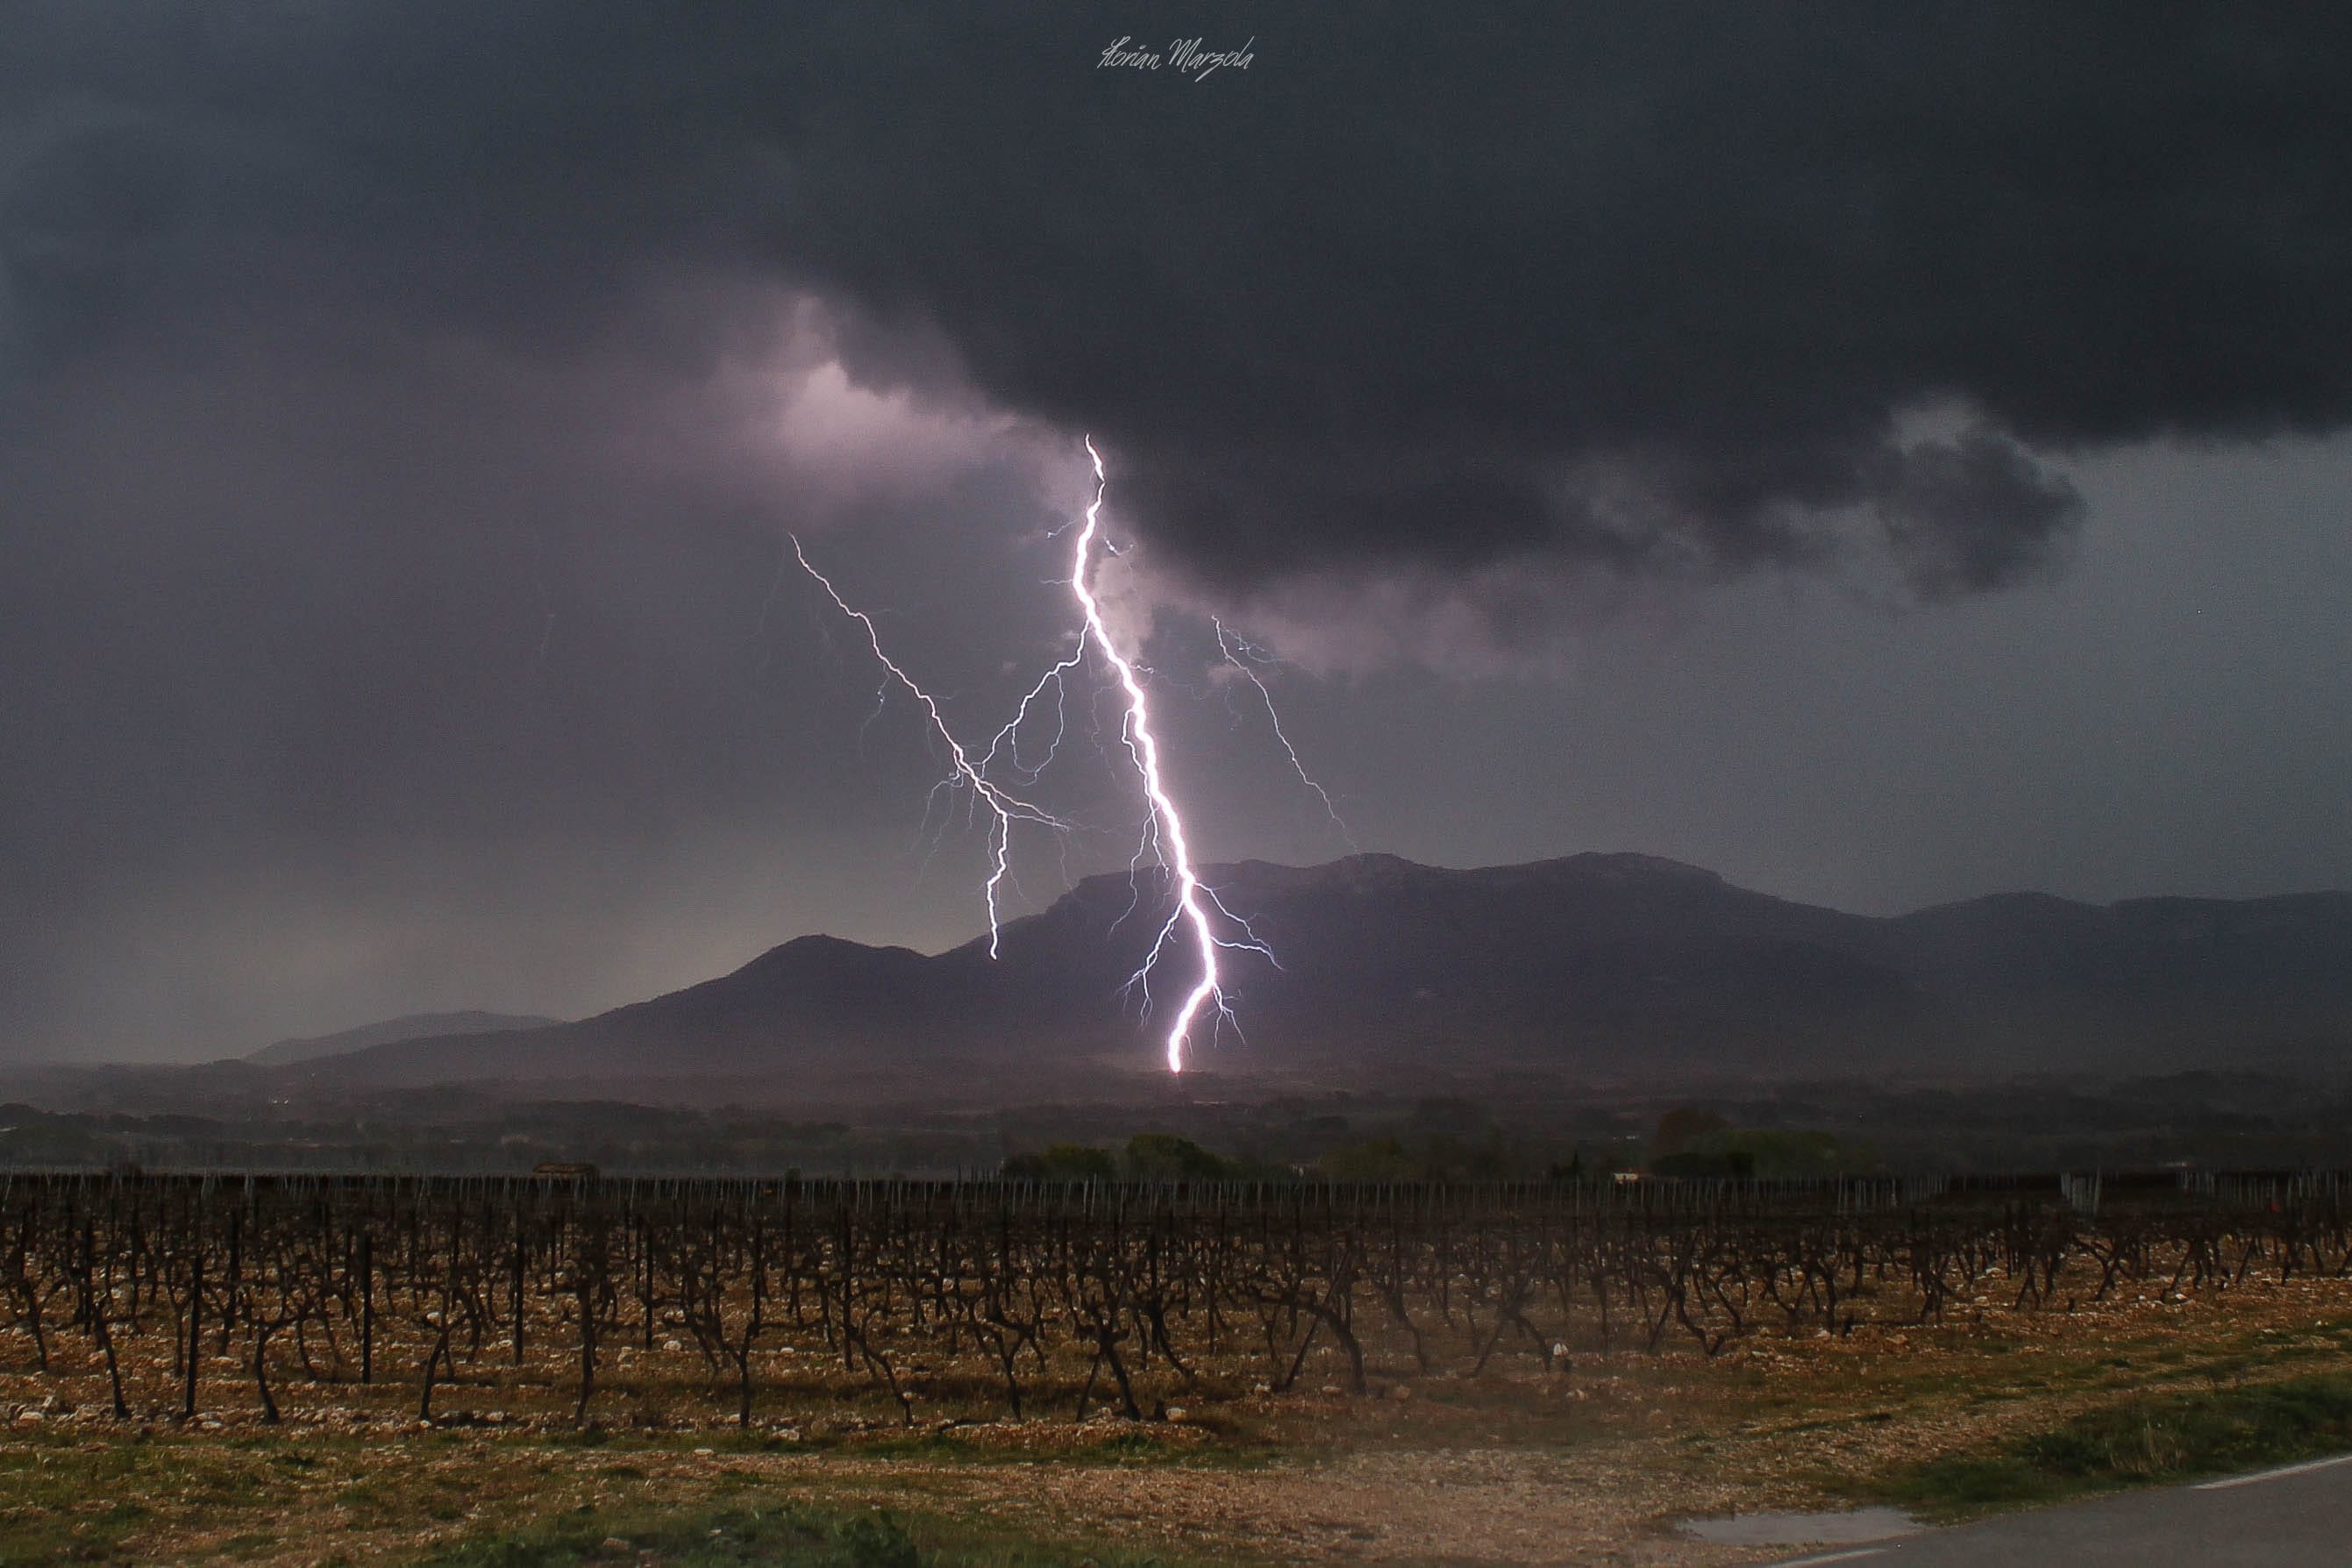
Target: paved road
2297,1517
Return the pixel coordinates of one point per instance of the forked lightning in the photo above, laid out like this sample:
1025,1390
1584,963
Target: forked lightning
1189,923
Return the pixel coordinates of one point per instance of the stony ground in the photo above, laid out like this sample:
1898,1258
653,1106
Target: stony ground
1592,1465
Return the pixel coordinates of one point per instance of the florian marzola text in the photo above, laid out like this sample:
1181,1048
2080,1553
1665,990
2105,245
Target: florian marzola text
1189,57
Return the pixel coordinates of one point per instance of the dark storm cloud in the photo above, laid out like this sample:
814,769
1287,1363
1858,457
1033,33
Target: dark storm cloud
1971,515
1642,285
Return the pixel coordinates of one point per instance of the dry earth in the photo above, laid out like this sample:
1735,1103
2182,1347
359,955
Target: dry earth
1592,1466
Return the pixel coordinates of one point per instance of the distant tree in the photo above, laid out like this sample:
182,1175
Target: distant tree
1794,1152
1372,1160
1733,1163
1064,1162
1450,1158
1762,1152
1680,1127
1448,1115
1165,1157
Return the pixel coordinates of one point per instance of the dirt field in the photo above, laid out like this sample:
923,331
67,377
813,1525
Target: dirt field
1588,1465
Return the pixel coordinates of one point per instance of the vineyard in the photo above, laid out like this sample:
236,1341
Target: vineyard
560,1301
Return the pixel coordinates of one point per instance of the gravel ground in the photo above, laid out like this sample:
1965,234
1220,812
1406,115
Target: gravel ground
1589,1468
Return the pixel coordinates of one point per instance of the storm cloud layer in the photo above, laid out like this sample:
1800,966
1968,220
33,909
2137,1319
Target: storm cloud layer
1644,286
400,405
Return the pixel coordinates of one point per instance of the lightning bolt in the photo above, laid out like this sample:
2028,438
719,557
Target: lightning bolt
1163,835
1165,830
1233,652
1005,809
1008,738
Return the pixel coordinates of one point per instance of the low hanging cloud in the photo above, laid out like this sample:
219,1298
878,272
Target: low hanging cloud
1972,515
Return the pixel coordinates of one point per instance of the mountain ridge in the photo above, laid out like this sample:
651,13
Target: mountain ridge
1588,963
391,1031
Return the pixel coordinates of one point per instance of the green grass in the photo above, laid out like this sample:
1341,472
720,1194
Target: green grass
57,1507
793,1536
2144,1441
128,1497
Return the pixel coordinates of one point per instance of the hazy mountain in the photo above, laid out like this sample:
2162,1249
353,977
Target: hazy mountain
416,1025
1605,965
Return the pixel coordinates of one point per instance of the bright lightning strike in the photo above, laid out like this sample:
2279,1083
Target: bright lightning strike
1006,809
1167,828
1239,653
1163,836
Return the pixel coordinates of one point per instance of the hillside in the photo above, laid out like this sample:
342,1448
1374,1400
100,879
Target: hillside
414,1026
1605,965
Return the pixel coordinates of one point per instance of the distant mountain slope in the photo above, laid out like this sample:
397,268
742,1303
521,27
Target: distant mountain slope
416,1025
2232,952
1611,965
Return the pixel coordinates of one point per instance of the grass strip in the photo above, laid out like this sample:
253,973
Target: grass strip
2150,1439
791,1535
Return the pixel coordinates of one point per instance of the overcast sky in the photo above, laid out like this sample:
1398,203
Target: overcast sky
1884,455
